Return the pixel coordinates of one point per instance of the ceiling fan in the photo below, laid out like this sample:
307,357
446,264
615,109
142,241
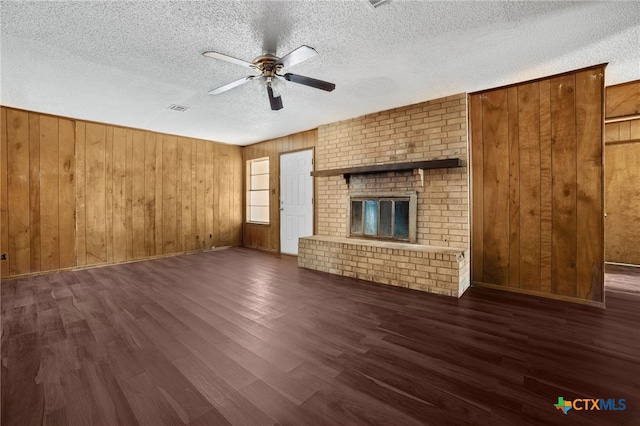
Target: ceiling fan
271,68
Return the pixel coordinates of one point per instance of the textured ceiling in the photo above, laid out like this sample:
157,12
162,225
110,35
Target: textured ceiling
126,62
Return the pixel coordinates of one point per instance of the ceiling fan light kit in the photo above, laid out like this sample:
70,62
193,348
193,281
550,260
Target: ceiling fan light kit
271,68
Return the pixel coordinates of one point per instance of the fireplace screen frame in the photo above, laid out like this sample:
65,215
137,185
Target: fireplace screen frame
412,197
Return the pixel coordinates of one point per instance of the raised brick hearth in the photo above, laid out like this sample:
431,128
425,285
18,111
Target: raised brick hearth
419,267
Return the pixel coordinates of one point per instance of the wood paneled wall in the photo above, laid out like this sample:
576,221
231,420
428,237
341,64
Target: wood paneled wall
135,194
622,183
142,194
537,173
622,131
267,237
623,100
622,174
37,192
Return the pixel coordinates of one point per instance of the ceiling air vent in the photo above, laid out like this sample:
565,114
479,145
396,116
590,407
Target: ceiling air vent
179,108
376,3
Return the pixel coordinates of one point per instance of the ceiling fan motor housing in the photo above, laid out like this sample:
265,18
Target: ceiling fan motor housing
266,64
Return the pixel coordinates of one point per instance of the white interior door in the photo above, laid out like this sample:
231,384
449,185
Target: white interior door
296,199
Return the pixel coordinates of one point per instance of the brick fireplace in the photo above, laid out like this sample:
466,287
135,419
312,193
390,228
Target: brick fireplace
436,259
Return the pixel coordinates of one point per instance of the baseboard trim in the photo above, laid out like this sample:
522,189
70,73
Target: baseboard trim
622,264
541,294
102,265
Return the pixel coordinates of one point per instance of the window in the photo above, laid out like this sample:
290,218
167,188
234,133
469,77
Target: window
258,190
380,217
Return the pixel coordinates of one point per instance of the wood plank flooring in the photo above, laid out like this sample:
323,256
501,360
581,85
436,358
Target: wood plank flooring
242,337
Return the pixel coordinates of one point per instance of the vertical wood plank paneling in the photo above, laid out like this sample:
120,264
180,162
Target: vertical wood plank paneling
49,243
233,187
209,196
179,205
612,132
108,172
66,192
514,188
529,119
236,194
240,195
200,193
34,191
563,155
624,130
40,192
19,255
184,146
217,241
150,152
635,130
129,197
623,99
553,166
96,196
546,184
496,187
477,186
273,151
139,203
225,181
194,194
81,197
159,195
622,226
169,161
590,226
93,194
622,180
119,194
4,205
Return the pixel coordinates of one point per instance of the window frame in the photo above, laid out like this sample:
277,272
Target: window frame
250,190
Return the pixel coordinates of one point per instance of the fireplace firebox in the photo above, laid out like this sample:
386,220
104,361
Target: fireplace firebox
383,216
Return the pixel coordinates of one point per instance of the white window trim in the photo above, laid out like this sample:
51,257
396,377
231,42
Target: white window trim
249,190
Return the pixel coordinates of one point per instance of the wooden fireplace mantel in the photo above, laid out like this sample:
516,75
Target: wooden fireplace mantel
346,172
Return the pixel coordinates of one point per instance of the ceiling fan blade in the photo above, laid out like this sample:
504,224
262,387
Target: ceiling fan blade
302,53
276,102
308,81
231,85
223,57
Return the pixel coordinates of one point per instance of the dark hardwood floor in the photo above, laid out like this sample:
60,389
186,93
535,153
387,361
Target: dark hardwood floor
244,337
